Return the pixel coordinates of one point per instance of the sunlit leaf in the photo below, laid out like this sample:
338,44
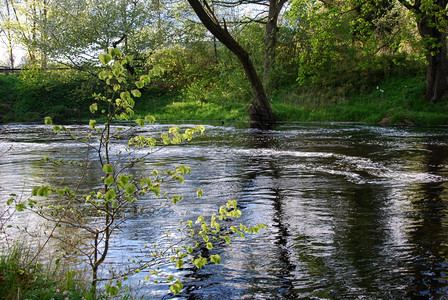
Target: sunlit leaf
48,121
180,264
136,93
110,195
130,188
105,58
215,258
108,169
93,108
20,206
139,84
109,180
150,119
175,288
200,262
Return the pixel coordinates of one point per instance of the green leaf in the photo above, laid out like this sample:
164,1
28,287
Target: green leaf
175,288
48,121
92,124
145,78
43,191
109,180
130,189
136,93
105,58
199,193
93,108
110,194
180,264
200,262
20,206
139,84
150,119
103,75
115,52
209,246
108,169
215,258
140,122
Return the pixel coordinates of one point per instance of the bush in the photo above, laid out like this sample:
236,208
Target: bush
36,93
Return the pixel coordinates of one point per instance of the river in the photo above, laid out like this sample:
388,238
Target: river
352,211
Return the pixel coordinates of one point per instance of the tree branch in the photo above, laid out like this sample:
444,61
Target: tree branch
408,5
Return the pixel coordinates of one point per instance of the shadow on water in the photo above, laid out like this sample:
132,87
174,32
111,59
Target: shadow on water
429,231
360,241
271,170
257,178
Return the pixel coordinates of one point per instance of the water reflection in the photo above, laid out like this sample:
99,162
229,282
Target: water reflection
429,231
352,211
263,182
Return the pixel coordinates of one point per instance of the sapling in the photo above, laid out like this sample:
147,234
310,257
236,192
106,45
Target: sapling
98,214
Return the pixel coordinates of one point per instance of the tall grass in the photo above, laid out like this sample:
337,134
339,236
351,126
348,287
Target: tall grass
20,279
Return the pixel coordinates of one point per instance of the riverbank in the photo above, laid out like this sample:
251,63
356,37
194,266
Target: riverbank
395,100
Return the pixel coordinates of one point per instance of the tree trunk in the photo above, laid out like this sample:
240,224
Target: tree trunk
275,6
9,36
435,39
260,112
437,69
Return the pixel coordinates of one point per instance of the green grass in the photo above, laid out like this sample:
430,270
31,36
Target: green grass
396,100
175,106
20,280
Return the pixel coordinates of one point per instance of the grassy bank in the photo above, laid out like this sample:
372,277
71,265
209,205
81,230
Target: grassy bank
20,279
396,100
34,94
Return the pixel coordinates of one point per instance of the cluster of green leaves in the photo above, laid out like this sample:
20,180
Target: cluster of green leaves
345,43
211,232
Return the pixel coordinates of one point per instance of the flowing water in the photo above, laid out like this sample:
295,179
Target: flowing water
352,211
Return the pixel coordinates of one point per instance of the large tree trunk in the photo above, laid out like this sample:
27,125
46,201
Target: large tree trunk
435,44
437,69
260,112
